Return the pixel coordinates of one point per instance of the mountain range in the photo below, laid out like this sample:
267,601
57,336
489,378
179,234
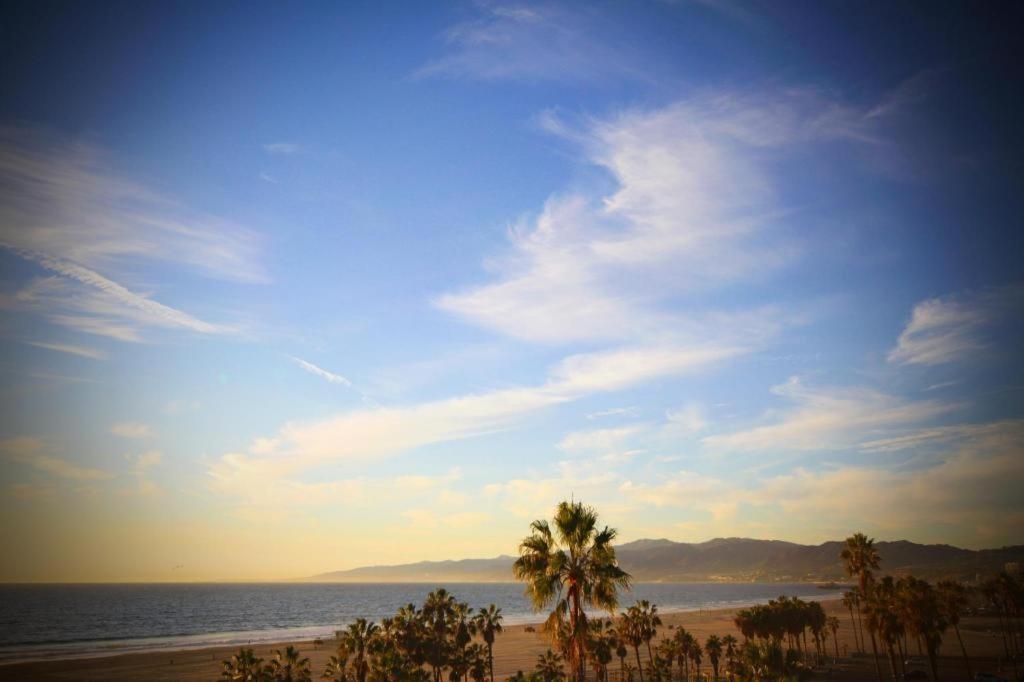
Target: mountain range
718,560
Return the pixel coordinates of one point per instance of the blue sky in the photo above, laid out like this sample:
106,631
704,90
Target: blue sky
381,282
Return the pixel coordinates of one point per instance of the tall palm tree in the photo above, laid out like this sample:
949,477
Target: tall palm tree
648,621
953,600
862,560
713,647
488,623
850,600
243,667
833,625
573,566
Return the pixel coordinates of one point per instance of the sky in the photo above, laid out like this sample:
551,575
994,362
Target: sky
291,288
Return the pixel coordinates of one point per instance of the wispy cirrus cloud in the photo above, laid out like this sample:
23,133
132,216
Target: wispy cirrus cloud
81,351
63,208
131,430
532,42
282,148
380,432
828,419
322,373
129,304
951,328
34,453
60,197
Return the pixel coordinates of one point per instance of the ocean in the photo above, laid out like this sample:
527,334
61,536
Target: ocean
64,621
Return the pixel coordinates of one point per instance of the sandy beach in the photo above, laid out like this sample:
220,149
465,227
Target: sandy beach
516,649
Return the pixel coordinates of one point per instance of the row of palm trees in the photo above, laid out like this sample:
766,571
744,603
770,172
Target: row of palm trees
894,610
428,644
569,566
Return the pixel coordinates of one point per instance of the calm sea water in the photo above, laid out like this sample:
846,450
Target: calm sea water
44,621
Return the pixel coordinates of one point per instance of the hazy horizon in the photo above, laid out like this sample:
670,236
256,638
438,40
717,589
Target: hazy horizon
285,287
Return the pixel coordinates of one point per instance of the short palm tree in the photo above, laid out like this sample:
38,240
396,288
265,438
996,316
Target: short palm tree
243,667
730,643
631,629
290,666
336,667
549,667
356,639
713,647
572,565
833,625
488,623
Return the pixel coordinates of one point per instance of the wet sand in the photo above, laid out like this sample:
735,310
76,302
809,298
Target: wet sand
515,649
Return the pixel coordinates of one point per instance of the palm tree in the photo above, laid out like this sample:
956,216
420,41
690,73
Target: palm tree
290,666
730,643
479,662
833,625
356,639
439,609
684,642
953,600
695,655
618,635
573,566
549,665
862,559
335,669
647,622
631,629
713,647
243,667
488,623
850,600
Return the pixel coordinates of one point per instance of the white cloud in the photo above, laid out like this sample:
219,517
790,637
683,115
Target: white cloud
614,412
828,419
598,440
952,328
81,351
282,148
131,430
386,431
322,373
693,208
34,453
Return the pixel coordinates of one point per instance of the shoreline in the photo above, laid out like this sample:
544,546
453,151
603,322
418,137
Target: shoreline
303,634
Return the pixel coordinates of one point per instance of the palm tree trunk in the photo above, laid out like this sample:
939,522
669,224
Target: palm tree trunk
639,668
835,642
892,661
874,650
963,650
490,659
860,626
856,642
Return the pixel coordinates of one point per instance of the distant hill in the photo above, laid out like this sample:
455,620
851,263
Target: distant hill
718,560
